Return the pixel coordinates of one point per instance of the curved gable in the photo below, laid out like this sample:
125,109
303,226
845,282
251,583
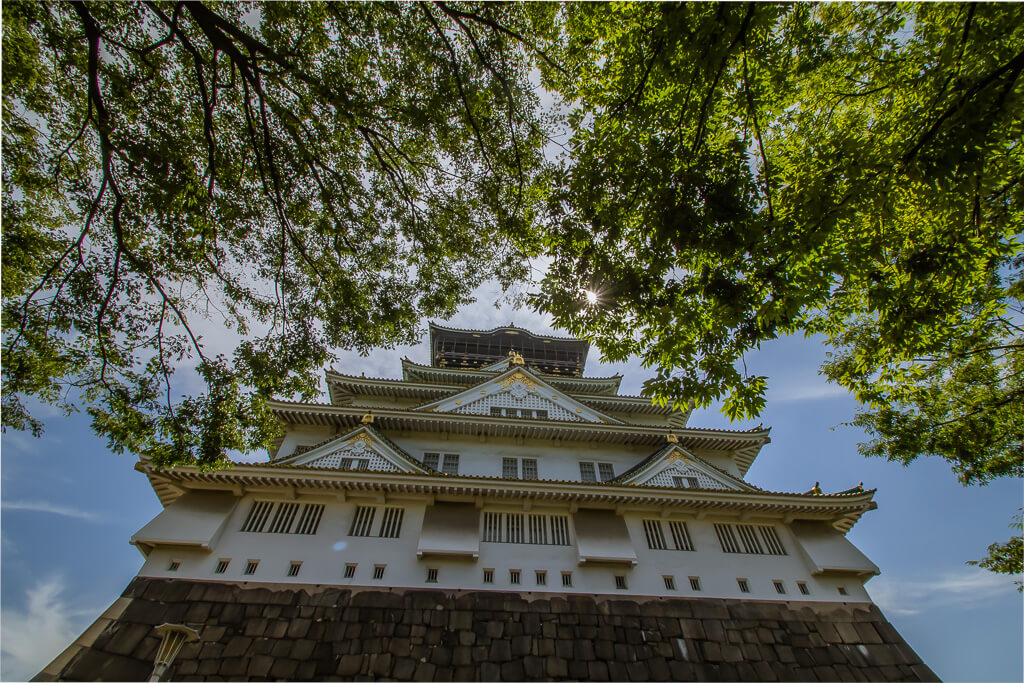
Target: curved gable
362,449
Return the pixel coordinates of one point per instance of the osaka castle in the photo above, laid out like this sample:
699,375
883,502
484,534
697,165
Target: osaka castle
494,515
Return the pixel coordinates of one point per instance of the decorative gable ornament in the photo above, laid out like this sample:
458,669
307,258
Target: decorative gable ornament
360,450
674,467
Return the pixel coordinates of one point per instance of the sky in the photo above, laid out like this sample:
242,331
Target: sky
68,507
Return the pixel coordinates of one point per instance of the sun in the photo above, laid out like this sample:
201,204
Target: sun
591,297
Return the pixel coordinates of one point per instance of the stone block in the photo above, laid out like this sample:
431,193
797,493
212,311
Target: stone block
556,667
490,672
638,671
403,668
255,628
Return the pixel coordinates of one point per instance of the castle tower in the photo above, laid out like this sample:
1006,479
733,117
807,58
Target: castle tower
495,515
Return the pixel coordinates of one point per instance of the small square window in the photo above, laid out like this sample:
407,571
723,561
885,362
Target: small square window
488,576
513,576
294,568
802,587
222,566
780,587
567,579
842,590
378,571
744,585
670,583
250,567
695,583
173,566
541,578
620,582
350,571
432,575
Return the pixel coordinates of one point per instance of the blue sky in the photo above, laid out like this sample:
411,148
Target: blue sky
69,507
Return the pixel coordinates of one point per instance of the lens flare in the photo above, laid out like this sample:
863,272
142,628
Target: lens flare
590,296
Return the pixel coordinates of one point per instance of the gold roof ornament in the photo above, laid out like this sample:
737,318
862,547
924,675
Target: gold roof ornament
671,437
816,491
368,418
515,358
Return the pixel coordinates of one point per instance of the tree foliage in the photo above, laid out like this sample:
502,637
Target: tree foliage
740,172
305,176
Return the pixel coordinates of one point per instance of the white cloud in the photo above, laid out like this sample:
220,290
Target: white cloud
811,390
963,588
33,636
43,506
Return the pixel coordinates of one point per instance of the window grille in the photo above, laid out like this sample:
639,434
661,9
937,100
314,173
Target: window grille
670,582
363,521
431,575
280,518
541,578
488,576
309,520
804,590
391,524
451,463
780,587
173,566
293,568
542,414
653,533
509,468
606,471
587,472
350,571
495,411
680,535
222,566
620,582
517,527
356,464
686,482
744,585
250,567
378,571
772,541
529,468
567,579
695,583
431,460
749,539
514,576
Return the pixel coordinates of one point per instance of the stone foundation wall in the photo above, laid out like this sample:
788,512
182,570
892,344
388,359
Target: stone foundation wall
268,632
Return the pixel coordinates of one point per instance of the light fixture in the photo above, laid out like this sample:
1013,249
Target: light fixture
174,636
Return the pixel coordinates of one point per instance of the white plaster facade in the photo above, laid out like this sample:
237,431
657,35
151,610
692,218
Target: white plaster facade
651,475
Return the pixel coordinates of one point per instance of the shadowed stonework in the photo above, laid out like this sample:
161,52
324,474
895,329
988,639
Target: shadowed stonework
273,632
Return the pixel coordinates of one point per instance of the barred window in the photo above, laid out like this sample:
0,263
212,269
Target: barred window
780,587
804,590
294,568
747,538
509,468
587,472
670,583
350,570
378,571
518,527
567,579
695,583
686,482
541,578
488,576
451,463
282,518
680,535
606,471
390,522
514,576
655,535
620,582
359,464
529,468
744,585
222,566
432,575
431,460
363,521
250,567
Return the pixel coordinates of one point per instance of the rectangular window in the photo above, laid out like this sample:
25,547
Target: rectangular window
802,587
751,545
350,570
354,464
293,568
744,585
518,527
541,578
653,533
606,471
670,582
451,463
391,522
727,538
514,576
686,482
173,566
378,571
749,539
695,583
542,414
495,411
772,541
842,590
363,521
250,567
587,472
509,468
431,460
780,587
282,518
567,579
680,535
432,575
488,576
620,582
529,468
222,566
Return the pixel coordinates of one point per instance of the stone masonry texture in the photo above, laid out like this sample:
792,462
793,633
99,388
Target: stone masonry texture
273,632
